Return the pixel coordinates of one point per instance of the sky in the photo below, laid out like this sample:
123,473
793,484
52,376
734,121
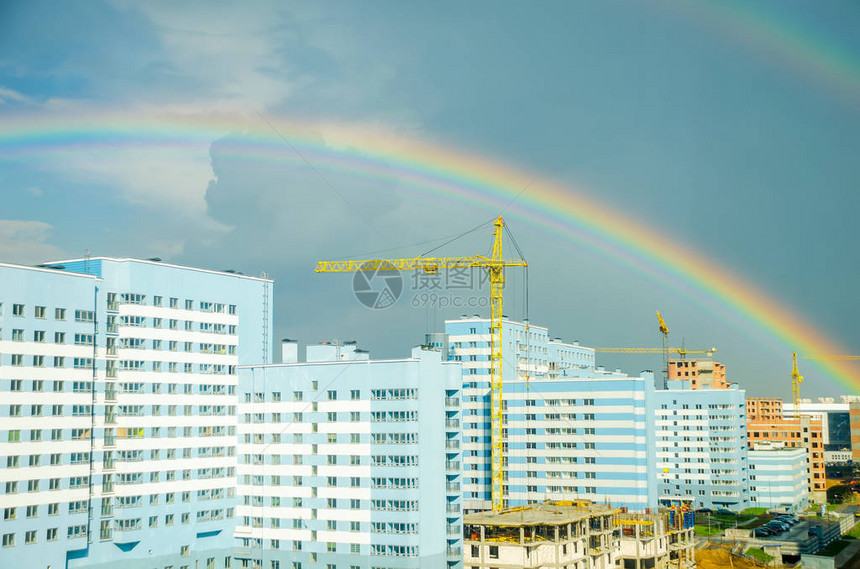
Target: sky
246,136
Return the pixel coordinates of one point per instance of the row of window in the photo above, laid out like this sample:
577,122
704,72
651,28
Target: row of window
298,438
17,360
58,386
173,302
41,312
298,502
40,336
172,345
51,534
172,367
173,324
74,482
74,507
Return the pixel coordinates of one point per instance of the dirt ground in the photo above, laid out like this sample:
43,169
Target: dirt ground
720,558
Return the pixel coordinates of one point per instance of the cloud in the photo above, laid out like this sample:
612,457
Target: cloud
26,242
10,95
35,191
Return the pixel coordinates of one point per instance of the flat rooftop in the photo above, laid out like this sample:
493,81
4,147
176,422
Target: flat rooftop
549,513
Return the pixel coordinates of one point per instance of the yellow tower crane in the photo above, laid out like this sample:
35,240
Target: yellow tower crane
796,380
495,266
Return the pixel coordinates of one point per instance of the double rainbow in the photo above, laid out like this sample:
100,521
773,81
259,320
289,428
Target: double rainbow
449,174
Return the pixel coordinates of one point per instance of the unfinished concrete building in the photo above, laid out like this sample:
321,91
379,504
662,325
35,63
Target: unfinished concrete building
552,535
657,541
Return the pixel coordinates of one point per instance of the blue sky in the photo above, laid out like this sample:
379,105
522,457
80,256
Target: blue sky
711,123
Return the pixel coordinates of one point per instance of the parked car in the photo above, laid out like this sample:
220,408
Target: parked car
704,511
724,512
763,532
776,527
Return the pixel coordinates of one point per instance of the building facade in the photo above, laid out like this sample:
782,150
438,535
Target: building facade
349,462
778,477
571,431
701,443
804,432
835,416
657,540
121,375
701,373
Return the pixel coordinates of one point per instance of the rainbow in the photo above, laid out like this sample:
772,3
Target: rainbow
449,174
814,58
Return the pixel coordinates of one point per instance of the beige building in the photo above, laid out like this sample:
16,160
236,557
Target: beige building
656,541
552,535
702,374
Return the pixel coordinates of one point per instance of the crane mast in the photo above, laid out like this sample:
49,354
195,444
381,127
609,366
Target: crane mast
664,331
497,285
495,265
796,380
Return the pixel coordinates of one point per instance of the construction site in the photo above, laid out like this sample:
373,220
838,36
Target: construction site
578,535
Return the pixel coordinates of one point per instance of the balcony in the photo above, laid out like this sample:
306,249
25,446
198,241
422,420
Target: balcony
455,551
452,508
452,444
452,423
452,465
452,402
452,487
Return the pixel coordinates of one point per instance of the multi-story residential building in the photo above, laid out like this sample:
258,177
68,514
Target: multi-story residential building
589,438
130,379
47,350
764,409
778,477
349,462
701,445
552,535
804,432
701,373
571,431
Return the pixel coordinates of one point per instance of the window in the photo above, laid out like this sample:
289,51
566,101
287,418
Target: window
41,312
17,310
59,314
9,538
85,316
